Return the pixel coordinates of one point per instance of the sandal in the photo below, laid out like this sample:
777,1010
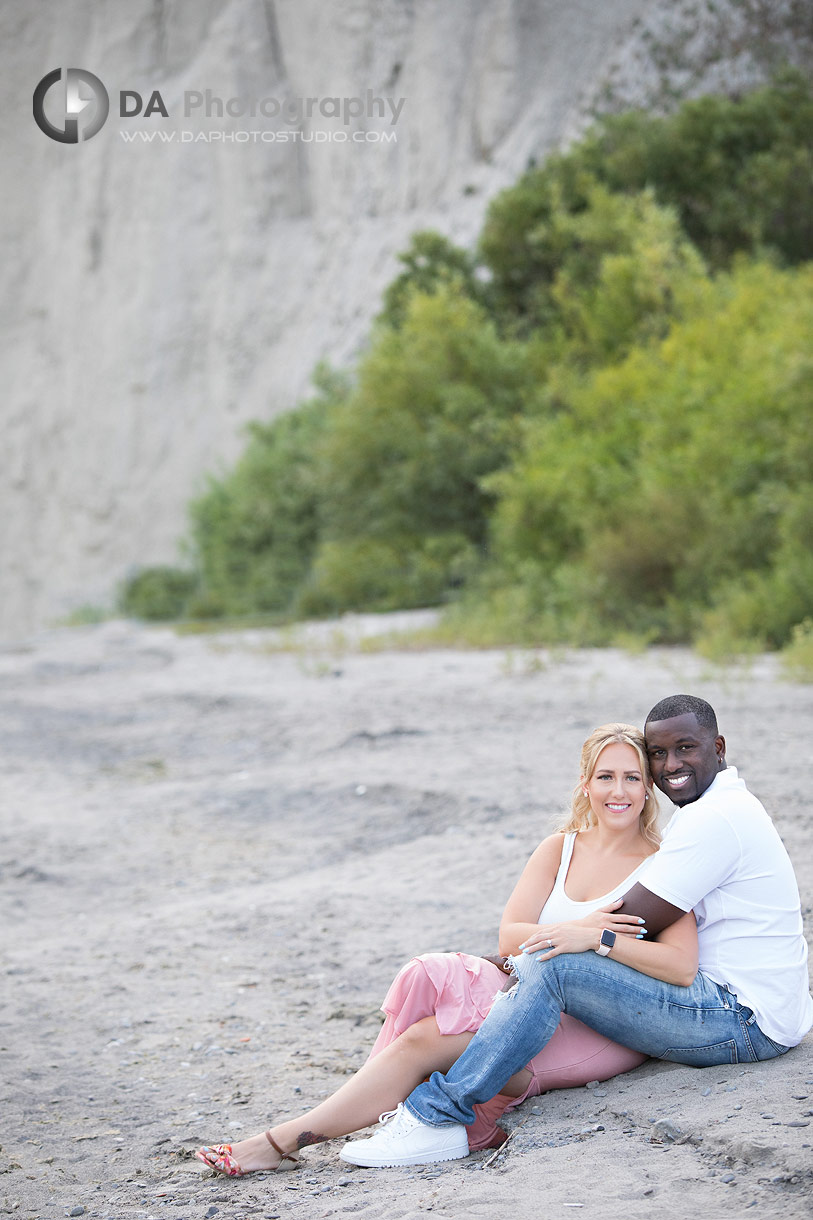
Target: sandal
220,1159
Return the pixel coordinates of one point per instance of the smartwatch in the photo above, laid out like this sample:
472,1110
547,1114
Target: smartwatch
606,943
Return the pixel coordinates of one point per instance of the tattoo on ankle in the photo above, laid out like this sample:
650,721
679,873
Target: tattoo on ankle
310,1137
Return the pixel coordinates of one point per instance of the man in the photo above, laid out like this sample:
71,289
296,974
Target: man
722,858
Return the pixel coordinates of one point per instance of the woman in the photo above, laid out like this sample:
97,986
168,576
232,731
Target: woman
436,1003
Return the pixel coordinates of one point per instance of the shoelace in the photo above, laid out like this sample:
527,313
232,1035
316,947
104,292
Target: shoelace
387,1116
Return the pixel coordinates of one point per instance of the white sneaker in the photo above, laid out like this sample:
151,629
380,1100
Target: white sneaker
403,1139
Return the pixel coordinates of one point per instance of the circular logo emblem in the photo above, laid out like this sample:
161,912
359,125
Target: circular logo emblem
82,89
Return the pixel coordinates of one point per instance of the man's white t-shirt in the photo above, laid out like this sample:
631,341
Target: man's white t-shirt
722,857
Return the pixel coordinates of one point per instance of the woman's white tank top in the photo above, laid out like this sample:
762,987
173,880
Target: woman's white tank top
559,907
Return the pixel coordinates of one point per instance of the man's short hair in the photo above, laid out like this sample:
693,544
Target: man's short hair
681,705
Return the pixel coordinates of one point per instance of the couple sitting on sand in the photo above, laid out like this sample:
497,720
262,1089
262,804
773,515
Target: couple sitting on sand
620,947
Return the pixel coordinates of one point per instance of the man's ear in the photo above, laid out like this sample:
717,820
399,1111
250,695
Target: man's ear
719,745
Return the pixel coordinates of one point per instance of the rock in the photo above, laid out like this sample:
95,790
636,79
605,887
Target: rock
665,1132
77,1211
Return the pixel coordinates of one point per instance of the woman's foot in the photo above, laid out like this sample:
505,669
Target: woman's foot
257,1154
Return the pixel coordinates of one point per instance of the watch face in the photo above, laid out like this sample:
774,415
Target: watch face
608,938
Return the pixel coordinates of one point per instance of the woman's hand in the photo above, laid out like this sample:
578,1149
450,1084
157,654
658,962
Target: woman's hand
579,935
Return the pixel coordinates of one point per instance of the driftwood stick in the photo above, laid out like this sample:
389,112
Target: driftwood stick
498,1151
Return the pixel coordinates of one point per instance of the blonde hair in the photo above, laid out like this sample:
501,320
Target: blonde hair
581,815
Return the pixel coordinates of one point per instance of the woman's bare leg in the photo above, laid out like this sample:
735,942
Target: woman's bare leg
379,1085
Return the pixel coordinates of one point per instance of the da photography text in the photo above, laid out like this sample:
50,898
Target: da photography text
72,105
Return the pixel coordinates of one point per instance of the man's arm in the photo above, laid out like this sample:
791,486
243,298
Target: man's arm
657,912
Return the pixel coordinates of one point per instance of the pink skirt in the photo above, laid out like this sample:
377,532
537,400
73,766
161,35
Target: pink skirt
458,990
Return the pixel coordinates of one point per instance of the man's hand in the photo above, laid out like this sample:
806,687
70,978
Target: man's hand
498,960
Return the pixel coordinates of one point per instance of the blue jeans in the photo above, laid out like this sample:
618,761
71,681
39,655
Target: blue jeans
701,1025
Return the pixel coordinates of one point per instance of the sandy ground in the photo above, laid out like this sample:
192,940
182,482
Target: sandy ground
214,857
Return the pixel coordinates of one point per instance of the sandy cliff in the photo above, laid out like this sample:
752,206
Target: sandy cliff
161,294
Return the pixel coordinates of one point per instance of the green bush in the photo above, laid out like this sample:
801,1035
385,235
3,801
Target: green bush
738,170
671,492
254,530
402,461
386,573
157,593
594,276
431,262
738,174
